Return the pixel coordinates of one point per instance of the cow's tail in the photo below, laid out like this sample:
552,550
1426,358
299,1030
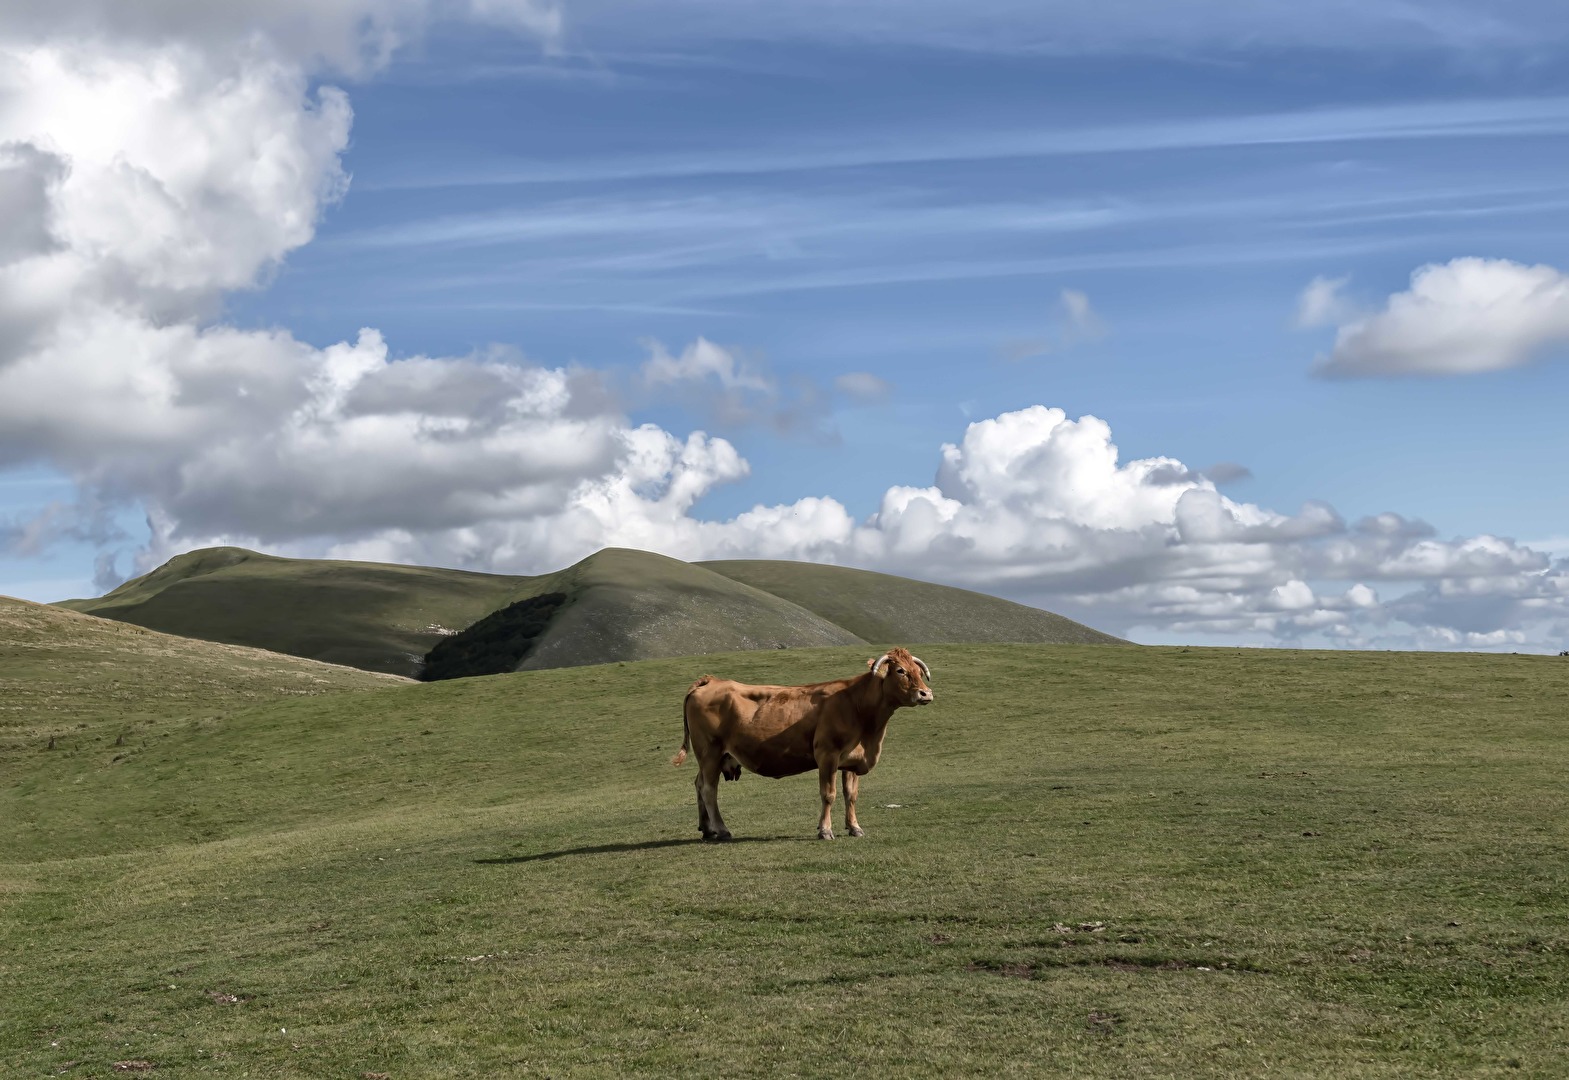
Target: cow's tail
686,740
686,727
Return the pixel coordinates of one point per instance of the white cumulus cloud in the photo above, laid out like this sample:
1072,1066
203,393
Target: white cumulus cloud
1465,316
736,391
700,361
150,183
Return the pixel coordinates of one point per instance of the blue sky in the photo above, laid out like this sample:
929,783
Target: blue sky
577,209
924,197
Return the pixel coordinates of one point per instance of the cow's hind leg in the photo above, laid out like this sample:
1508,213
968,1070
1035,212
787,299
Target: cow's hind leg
825,781
852,788
702,810
708,791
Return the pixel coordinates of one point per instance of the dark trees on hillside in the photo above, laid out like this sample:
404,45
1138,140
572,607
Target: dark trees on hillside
497,643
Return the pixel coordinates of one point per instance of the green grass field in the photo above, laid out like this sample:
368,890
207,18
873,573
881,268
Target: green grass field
1081,861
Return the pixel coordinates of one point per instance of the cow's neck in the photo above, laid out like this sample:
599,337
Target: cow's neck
873,710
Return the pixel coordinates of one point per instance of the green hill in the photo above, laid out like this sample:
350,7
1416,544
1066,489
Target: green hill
620,604
634,605
884,608
62,673
1084,861
615,605
376,616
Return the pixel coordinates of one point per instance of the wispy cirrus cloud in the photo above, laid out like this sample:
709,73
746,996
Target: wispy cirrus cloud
353,37
1062,27
1480,118
685,250
863,387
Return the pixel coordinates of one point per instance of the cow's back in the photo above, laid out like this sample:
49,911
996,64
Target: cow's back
769,729
748,701
728,701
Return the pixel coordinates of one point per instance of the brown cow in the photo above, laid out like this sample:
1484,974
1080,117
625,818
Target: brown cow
783,730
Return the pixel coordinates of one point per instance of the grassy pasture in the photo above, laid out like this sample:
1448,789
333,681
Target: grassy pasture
1081,861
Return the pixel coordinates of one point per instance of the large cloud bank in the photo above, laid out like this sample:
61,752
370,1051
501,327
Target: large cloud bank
143,180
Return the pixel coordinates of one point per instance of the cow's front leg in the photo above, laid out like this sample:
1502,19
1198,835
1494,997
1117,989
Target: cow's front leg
852,788
708,790
825,780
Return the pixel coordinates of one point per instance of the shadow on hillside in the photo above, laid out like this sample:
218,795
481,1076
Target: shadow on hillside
612,849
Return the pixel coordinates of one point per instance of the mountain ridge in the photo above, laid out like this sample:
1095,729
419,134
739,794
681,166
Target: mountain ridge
617,604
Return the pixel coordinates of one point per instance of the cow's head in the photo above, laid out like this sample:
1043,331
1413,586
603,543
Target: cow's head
905,677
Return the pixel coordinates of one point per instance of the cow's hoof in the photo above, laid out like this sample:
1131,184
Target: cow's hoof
856,830
717,837
825,834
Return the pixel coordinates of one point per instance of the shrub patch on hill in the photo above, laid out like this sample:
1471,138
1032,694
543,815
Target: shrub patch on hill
495,644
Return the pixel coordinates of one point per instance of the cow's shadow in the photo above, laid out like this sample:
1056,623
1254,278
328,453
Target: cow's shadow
647,845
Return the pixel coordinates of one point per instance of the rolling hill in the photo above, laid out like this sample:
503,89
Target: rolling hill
375,616
615,605
62,673
885,608
633,605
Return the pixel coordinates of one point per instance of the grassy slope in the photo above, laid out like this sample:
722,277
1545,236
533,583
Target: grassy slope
499,876
634,605
369,615
883,608
65,674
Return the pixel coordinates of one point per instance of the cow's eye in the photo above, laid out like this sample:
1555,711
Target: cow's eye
898,671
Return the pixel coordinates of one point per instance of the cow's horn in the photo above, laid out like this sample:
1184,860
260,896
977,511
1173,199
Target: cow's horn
877,668
924,669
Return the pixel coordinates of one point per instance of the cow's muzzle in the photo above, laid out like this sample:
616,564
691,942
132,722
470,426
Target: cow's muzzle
923,697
